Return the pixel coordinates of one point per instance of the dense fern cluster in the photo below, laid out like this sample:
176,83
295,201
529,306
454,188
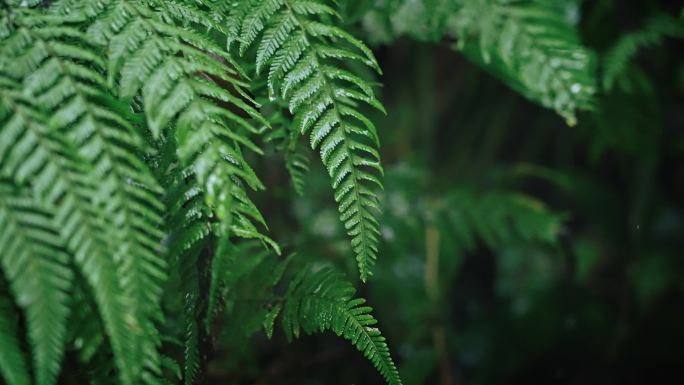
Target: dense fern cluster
129,131
124,130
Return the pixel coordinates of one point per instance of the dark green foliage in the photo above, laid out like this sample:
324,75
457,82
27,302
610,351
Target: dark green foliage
33,261
301,54
617,58
76,147
159,209
323,293
12,363
114,112
532,45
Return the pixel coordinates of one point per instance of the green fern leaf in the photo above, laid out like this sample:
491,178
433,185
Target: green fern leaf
188,221
188,267
12,363
303,55
175,74
318,300
36,266
499,218
618,56
161,62
173,70
58,176
297,163
248,284
85,327
532,46
107,187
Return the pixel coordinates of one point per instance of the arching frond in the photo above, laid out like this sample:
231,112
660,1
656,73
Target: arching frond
499,218
285,137
35,264
106,194
318,300
249,283
297,163
191,350
618,56
185,81
531,46
303,57
13,368
189,231
88,337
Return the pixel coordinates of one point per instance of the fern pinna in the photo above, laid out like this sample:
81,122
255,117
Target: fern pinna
127,128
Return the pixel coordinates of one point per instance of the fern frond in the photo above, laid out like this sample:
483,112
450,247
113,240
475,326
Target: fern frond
190,94
177,74
499,218
303,57
532,47
318,300
35,264
88,337
58,176
188,222
109,187
467,216
188,218
13,368
86,331
618,56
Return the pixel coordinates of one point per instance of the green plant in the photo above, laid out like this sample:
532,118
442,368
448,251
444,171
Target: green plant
124,131
144,229
531,45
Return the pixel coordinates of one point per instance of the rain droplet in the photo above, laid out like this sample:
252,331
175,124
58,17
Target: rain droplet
575,88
